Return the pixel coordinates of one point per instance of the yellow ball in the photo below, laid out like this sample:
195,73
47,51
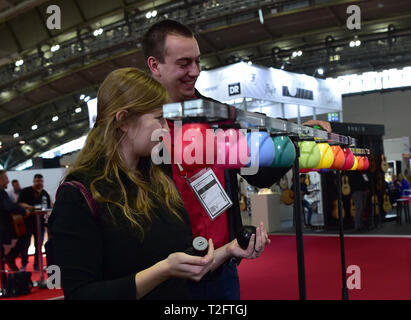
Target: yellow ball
354,167
327,156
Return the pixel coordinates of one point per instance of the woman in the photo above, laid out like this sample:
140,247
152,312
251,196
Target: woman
135,247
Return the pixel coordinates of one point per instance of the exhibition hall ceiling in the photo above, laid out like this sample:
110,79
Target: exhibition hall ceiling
44,71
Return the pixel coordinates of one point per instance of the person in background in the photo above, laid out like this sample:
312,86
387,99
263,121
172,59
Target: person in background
15,192
359,192
29,198
404,185
7,235
173,56
305,204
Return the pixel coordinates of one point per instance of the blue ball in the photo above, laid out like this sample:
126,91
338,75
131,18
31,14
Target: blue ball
263,147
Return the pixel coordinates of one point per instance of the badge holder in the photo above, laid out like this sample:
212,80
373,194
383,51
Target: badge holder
209,191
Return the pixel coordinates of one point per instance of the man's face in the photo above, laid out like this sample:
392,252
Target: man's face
4,180
16,186
38,184
181,67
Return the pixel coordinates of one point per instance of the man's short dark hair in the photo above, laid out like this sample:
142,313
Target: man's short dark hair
155,38
14,181
38,176
2,172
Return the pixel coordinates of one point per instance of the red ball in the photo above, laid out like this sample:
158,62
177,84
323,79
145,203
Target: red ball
349,159
232,149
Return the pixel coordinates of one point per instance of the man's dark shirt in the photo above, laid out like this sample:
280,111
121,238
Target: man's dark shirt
31,197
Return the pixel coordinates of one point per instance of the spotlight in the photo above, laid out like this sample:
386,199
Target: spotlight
78,110
19,63
55,48
55,118
34,127
16,135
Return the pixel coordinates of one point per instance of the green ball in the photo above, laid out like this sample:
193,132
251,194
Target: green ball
310,154
284,152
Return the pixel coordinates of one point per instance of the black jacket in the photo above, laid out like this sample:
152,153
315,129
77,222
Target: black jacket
6,208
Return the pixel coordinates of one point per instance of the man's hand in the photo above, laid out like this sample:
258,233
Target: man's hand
323,124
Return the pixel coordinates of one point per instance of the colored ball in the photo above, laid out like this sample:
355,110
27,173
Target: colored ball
349,159
284,152
339,158
310,155
355,165
366,163
360,166
232,149
198,147
261,148
327,156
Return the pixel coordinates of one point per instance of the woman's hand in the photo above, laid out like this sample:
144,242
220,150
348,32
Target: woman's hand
255,246
182,265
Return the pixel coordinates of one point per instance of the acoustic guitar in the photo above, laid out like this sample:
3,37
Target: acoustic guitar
287,195
18,224
345,187
386,205
335,210
384,164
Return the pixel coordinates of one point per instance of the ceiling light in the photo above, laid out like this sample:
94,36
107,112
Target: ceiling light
55,48
19,63
153,13
98,32
87,99
82,97
34,127
22,142
320,71
16,135
294,54
148,15
299,53
55,118
78,110
357,43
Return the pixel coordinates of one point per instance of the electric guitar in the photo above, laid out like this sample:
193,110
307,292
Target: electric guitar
345,187
19,227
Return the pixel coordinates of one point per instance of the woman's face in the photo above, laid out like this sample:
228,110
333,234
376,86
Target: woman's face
137,141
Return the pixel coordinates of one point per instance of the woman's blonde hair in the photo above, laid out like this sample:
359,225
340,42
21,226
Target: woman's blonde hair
132,90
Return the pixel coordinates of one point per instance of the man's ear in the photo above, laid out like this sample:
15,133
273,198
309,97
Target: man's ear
153,65
120,117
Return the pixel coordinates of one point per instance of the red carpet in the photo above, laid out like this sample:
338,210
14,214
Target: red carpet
36,293
385,264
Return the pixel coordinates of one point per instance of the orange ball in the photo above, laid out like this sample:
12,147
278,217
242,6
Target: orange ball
339,158
360,166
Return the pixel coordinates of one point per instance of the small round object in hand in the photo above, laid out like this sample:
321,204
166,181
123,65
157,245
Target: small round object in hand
244,235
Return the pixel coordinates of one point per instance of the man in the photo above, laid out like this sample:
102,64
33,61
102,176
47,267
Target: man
15,192
360,186
305,204
6,229
173,57
29,198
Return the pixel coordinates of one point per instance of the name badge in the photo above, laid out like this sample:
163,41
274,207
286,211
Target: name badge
210,193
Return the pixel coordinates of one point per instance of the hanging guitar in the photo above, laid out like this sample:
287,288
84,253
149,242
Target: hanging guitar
374,201
335,210
345,187
242,202
287,195
352,208
384,164
386,205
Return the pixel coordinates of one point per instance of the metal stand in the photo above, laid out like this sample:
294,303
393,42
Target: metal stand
298,223
342,250
41,283
3,279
